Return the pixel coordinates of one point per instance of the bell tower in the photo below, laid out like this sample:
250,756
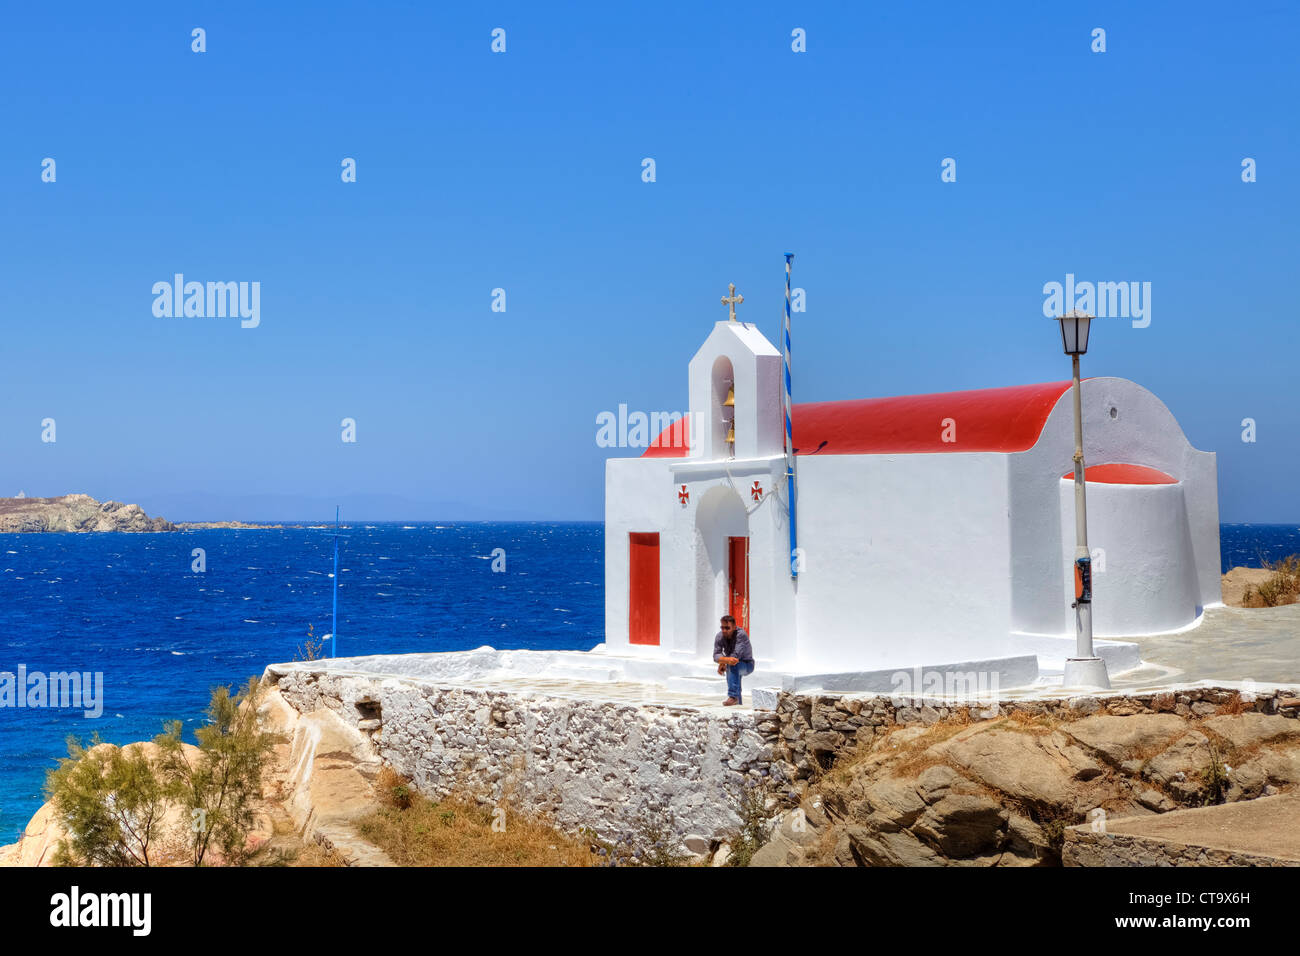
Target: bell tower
735,392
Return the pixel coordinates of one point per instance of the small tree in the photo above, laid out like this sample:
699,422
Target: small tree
110,801
223,781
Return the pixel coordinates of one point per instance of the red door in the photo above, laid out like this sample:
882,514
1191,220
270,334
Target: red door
643,588
738,581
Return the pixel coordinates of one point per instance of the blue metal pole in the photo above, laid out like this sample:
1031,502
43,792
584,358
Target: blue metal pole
334,623
789,428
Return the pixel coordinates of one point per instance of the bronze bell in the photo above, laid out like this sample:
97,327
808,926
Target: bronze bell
731,398
731,434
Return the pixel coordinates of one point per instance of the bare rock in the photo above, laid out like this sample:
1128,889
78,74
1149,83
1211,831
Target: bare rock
1027,843
963,825
871,846
1118,739
1180,769
1247,730
1264,773
75,513
1153,799
790,843
695,843
1018,764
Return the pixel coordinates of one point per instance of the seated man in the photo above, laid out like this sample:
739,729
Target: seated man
734,656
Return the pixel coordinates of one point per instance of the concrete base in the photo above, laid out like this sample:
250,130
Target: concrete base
982,679
976,680
1053,651
1086,673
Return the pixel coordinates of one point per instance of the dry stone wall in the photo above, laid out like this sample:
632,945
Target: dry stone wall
1122,849
608,766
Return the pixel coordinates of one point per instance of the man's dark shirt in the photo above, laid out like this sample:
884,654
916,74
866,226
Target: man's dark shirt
736,646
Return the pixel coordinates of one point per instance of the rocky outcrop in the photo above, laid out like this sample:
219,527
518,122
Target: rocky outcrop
1002,791
320,778
75,513
808,733
1238,581
323,776
39,840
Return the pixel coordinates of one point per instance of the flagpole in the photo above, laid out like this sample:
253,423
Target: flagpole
334,621
788,407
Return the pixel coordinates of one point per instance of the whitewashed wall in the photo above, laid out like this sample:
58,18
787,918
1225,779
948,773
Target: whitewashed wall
1142,431
907,560
699,577
756,365
641,496
638,498
1144,579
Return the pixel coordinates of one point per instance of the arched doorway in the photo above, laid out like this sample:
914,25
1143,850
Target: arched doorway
721,563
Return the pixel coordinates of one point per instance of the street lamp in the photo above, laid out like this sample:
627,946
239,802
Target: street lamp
1085,669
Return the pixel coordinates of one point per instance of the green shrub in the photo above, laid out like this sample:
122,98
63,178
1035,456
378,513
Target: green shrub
222,783
110,802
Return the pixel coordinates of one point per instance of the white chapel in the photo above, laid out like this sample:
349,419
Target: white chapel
932,530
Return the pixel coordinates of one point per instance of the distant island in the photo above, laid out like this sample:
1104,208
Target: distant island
82,513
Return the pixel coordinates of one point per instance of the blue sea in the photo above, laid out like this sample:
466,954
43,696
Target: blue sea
1250,545
130,606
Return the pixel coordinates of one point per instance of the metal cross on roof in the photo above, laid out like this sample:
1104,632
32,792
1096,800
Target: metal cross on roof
732,300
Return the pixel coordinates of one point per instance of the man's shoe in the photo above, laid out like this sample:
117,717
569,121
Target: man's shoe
730,702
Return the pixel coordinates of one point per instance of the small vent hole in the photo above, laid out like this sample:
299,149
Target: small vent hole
369,710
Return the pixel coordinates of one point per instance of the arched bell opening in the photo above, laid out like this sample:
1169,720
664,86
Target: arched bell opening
724,408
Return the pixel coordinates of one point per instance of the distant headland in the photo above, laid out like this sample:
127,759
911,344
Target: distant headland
82,513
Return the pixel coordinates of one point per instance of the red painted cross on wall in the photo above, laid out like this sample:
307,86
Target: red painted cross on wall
683,496
756,492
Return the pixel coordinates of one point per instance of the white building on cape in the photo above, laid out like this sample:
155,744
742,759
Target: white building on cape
935,530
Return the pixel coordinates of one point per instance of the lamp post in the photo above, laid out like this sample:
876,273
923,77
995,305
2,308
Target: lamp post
1085,669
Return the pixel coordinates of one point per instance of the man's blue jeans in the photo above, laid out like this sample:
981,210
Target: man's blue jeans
734,673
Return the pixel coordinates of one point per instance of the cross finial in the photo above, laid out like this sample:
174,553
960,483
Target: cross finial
732,300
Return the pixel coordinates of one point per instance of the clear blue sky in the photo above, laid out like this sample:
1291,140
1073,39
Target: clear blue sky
522,170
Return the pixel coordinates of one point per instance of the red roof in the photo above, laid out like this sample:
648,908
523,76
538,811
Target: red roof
1120,474
987,419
